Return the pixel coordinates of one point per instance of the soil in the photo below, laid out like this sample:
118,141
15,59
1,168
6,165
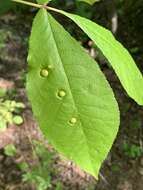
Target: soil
119,171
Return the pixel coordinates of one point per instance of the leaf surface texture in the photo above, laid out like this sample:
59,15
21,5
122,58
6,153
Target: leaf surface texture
73,102
119,58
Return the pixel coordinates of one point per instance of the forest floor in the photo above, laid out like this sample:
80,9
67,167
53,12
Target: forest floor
123,169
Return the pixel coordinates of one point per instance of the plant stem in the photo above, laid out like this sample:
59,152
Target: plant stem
37,5
28,3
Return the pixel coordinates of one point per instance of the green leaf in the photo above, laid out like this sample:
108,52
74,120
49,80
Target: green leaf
10,150
117,55
2,92
23,166
89,1
73,102
43,1
18,120
20,105
3,123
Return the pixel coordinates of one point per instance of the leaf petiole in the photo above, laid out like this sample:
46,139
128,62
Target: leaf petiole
37,5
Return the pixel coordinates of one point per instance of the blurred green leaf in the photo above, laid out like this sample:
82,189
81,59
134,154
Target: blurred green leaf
2,92
18,120
90,1
132,150
10,150
3,123
43,1
23,166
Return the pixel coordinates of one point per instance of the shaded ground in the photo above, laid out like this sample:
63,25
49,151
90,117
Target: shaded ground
121,170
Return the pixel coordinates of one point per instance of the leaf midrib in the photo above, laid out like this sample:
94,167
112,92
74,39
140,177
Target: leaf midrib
81,123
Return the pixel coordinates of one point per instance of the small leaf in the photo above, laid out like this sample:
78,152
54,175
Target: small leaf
43,1
2,92
89,1
20,105
83,121
23,166
10,150
117,55
18,120
3,124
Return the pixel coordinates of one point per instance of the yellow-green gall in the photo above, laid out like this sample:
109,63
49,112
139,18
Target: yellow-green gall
61,93
44,72
73,120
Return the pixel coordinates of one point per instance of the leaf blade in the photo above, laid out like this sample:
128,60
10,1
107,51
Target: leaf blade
71,70
126,69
